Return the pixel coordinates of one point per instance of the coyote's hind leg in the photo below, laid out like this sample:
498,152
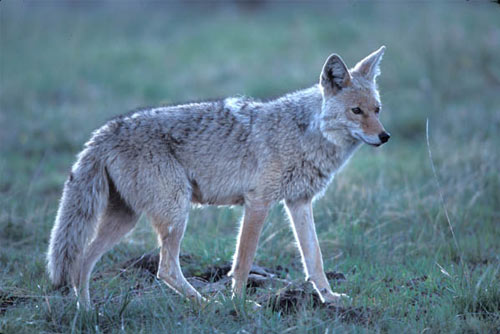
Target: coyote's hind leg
170,232
117,221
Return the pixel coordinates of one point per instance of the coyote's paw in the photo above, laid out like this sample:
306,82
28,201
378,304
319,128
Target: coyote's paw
253,305
337,299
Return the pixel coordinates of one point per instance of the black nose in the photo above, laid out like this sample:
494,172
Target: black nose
384,136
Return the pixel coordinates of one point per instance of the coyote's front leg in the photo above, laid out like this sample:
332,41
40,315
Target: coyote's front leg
301,215
248,238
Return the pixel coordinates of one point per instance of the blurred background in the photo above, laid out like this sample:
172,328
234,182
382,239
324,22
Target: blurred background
67,67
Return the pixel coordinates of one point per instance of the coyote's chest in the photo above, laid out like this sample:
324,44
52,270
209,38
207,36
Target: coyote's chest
311,171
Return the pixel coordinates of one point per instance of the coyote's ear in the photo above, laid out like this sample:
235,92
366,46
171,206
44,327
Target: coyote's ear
369,67
334,75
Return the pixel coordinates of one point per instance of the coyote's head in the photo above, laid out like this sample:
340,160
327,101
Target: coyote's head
351,102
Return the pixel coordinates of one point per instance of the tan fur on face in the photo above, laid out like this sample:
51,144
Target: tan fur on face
360,91
365,97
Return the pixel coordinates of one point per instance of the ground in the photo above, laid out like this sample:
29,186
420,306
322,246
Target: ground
417,250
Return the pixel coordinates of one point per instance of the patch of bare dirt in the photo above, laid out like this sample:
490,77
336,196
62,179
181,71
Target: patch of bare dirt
275,289
148,262
297,295
214,278
8,300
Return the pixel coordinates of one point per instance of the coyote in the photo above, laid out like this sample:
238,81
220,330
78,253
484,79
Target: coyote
235,151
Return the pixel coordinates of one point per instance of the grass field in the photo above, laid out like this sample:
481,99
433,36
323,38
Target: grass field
65,69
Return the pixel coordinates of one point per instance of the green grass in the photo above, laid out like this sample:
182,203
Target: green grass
65,69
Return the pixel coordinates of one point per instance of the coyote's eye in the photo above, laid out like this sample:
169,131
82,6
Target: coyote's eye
357,111
377,110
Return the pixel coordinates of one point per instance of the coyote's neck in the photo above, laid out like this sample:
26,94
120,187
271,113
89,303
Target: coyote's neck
294,135
306,107
307,159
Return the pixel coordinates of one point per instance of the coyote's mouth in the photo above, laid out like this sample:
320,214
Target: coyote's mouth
366,141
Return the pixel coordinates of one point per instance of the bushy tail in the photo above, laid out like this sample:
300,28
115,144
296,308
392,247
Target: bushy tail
85,196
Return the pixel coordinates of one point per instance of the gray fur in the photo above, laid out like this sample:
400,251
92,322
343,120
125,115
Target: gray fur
231,152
